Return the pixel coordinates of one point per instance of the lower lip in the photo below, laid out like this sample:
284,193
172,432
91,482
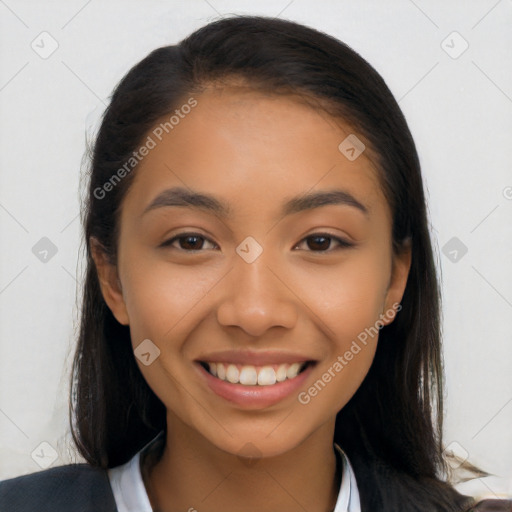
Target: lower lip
254,397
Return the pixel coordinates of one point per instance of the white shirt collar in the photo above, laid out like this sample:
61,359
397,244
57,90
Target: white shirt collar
131,496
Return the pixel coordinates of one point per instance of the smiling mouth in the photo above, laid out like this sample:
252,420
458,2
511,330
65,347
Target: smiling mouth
249,375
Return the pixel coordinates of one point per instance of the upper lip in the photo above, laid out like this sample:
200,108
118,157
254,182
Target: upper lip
255,358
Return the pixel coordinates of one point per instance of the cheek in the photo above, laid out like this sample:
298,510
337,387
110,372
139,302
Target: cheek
349,306
159,296
163,302
163,298
336,381
350,296
348,302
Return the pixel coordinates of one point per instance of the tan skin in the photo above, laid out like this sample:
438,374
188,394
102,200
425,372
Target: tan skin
253,152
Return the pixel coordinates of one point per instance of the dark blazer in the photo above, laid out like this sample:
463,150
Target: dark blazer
82,488
71,488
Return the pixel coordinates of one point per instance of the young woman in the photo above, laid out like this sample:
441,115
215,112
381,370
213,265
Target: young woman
260,324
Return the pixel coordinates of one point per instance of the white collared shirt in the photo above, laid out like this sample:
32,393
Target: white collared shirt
131,496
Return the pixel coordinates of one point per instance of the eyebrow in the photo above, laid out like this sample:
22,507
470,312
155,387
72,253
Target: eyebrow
183,197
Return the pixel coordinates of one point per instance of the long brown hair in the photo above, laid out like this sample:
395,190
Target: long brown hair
391,429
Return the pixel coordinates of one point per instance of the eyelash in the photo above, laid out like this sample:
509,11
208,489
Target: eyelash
343,244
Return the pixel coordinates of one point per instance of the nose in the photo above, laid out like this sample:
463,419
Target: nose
257,297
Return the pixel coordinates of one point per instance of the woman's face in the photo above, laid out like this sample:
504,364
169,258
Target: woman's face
254,277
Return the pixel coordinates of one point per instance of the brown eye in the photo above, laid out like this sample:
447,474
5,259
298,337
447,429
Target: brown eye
187,242
321,242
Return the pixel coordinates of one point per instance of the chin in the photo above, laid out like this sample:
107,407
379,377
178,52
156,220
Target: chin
253,446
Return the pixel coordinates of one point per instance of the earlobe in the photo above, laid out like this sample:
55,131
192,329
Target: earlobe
109,282
400,272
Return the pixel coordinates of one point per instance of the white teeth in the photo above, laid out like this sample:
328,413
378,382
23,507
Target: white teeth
232,374
293,370
281,372
248,375
267,376
221,371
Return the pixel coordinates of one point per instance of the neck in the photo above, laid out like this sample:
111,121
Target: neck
194,475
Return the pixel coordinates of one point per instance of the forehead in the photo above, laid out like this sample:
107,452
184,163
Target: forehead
251,148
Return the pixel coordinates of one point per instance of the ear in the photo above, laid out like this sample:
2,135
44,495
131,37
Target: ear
109,282
401,265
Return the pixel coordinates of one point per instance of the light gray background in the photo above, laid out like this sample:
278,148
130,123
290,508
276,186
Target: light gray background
460,113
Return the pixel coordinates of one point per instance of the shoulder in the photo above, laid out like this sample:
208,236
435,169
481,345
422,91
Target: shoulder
492,506
75,487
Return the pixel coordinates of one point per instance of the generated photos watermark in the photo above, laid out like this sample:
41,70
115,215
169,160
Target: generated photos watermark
151,142
304,397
